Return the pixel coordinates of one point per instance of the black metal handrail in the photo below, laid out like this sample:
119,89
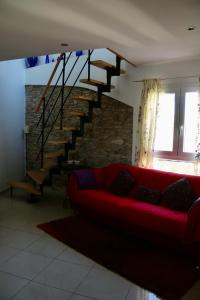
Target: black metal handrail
68,96
56,101
44,123
62,92
51,94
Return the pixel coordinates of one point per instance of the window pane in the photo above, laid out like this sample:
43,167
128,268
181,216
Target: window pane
190,122
165,123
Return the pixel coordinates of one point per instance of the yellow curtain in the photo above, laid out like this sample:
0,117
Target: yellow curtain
147,122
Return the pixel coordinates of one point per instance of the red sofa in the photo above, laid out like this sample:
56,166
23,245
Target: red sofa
154,222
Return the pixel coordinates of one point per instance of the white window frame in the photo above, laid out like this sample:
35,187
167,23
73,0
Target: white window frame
177,151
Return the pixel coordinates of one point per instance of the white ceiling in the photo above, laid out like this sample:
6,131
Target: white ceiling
143,31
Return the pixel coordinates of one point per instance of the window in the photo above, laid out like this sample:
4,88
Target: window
165,123
177,125
190,122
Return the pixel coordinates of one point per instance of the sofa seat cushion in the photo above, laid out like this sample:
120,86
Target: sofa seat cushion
100,200
155,217
135,212
148,195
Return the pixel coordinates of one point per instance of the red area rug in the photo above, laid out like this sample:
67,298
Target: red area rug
166,274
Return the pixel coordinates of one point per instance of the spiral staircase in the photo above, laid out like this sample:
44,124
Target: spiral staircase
51,113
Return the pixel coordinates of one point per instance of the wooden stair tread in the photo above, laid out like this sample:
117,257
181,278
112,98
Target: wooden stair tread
28,187
58,142
94,82
37,175
48,165
83,98
74,114
54,154
104,65
65,128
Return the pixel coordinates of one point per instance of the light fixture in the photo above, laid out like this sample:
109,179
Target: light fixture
190,28
64,44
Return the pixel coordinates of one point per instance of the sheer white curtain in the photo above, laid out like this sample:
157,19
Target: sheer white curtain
147,123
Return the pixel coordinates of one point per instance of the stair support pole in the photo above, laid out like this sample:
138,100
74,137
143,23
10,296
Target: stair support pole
118,64
43,128
62,92
109,75
89,54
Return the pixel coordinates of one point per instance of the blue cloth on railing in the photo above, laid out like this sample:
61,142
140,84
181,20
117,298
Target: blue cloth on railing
79,52
31,61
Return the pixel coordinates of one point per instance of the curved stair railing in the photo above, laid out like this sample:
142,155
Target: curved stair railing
49,114
49,82
45,119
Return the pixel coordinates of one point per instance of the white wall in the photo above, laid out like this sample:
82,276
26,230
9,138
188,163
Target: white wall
39,75
12,113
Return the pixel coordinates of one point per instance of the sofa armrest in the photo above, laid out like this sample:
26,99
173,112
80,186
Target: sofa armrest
73,186
193,229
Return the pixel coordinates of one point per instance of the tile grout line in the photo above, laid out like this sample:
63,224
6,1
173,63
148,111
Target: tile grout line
11,274
24,278
32,280
128,291
78,294
57,256
50,286
74,292
18,251
32,243
20,290
7,245
21,231
43,284
94,298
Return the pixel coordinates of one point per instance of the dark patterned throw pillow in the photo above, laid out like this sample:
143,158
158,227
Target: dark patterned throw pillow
86,179
148,195
122,184
178,195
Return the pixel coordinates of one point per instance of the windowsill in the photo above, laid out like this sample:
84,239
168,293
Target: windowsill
176,166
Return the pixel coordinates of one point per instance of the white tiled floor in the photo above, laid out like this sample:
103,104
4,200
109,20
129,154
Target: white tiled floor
34,266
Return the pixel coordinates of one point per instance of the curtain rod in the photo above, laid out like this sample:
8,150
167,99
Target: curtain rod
168,78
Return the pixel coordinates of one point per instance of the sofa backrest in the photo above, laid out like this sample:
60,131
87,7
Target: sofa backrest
150,178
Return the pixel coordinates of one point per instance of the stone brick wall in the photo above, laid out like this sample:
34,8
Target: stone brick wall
106,140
